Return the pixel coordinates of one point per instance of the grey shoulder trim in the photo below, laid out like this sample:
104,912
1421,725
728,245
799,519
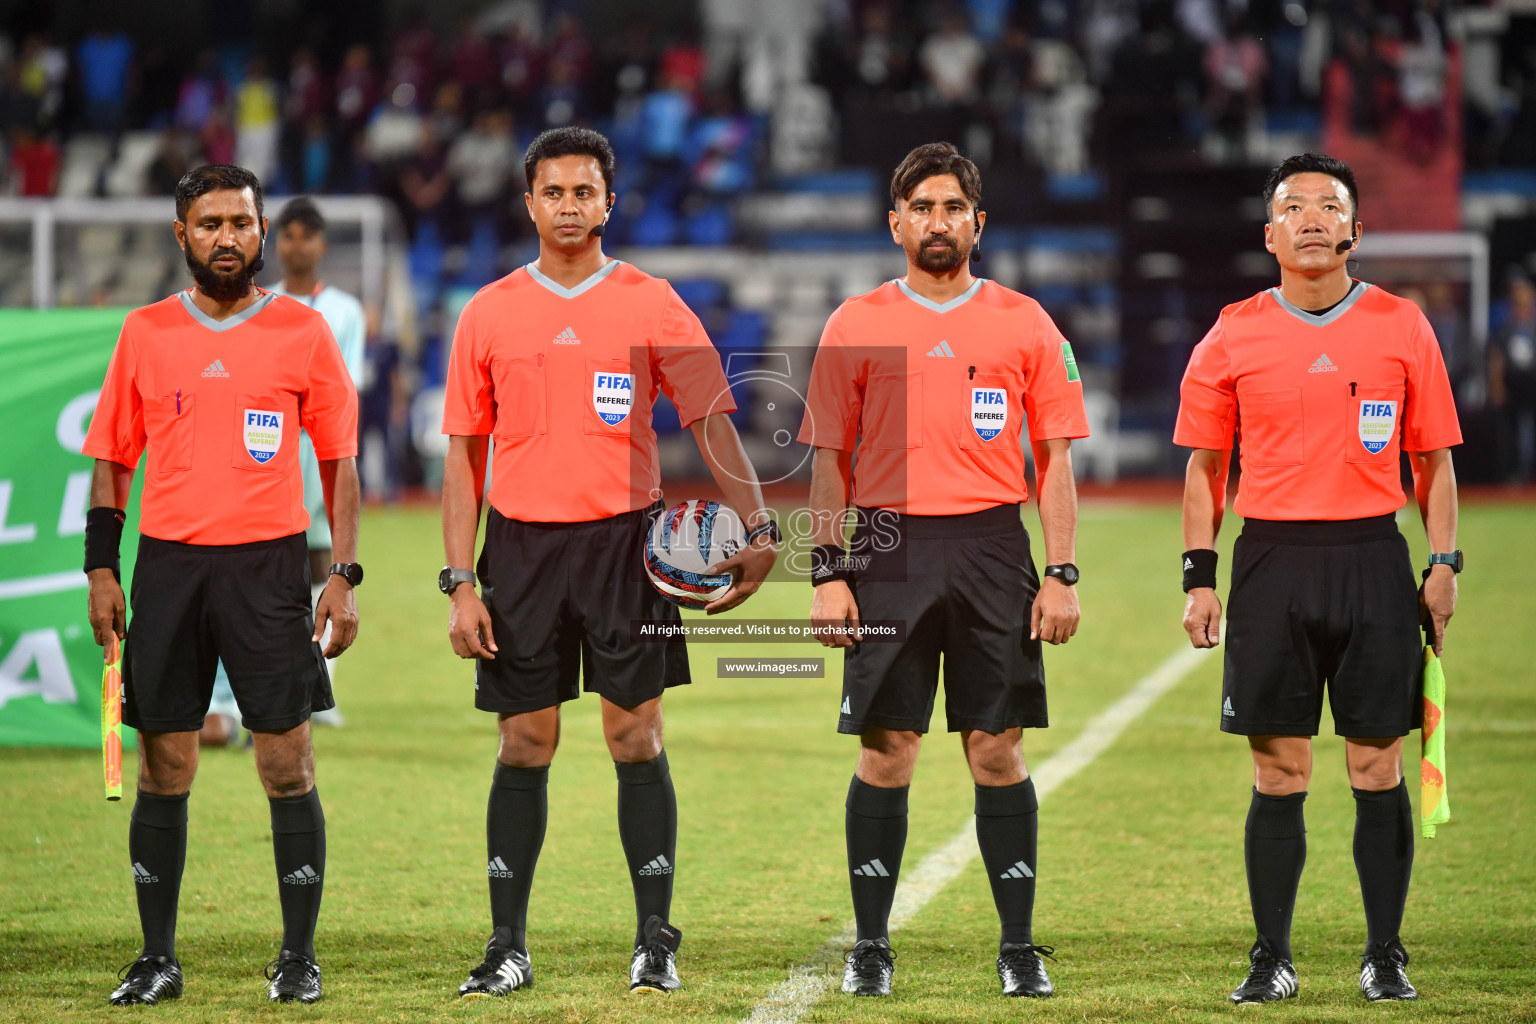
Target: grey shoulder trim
1327,318
570,293
228,323
957,301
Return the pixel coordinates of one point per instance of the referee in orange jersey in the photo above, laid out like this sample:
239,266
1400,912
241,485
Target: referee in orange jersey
918,398
561,362
217,382
1325,380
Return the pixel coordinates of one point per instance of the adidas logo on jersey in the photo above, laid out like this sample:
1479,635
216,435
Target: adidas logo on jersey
1226,709
874,869
1019,870
497,868
659,865
141,874
216,369
304,876
567,337
943,351
1323,365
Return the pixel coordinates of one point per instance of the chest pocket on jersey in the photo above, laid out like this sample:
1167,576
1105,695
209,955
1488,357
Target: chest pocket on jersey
521,396
1270,427
1374,424
989,416
266,432
893,411
610,392
169,423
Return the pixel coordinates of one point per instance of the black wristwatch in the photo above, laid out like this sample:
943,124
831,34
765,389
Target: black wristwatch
1066,572
1453,560
449,579
352,572
771,528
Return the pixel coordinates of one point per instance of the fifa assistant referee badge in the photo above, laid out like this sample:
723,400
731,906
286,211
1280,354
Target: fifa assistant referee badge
352,572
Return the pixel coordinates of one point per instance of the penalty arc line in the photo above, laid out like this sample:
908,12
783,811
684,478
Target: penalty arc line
789,1000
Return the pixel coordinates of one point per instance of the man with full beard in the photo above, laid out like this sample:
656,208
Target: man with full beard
216,382
927,380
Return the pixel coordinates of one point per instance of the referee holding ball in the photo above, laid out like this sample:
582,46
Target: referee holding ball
1325,380
216,382
561,363
917,397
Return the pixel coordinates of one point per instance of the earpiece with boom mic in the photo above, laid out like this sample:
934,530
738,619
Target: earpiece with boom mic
260,260
1344,246
597,232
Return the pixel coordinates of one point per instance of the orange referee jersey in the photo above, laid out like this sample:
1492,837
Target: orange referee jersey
1322,405
564,380
219,404
932,397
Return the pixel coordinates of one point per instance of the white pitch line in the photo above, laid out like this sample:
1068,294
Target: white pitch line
789,1000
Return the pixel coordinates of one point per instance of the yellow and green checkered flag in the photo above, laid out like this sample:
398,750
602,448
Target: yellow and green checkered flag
1435,806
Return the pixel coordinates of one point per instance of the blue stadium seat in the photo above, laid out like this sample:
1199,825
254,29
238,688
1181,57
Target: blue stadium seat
712,225
656,226
701,294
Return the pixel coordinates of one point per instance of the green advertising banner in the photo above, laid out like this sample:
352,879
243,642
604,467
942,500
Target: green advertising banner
51,366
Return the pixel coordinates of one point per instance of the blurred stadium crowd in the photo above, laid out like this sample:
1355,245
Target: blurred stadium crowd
771,125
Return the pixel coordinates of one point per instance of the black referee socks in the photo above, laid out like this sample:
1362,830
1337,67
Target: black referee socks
1275,850
648,830
157,844
1384,858
1008,831
298,847
514,834
876,827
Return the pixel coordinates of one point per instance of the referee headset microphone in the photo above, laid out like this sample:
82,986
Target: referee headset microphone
597,232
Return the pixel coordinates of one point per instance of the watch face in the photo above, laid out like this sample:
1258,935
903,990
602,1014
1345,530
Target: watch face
355,574
1069,573
443,579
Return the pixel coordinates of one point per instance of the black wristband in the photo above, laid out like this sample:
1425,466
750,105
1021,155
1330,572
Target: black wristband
1199,569
104,539
829,562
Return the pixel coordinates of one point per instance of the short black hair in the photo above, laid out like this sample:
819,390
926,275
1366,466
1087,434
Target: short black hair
1311,163
570,141
929,161
199,181
301,210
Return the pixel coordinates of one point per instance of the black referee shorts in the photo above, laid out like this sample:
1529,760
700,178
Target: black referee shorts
561,597
247,604
964,585
1315,603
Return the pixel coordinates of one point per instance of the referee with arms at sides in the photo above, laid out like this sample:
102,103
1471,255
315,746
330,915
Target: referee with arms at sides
916,401
1325,379
560,362
216,381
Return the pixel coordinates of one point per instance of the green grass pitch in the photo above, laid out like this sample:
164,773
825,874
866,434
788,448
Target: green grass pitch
1141,879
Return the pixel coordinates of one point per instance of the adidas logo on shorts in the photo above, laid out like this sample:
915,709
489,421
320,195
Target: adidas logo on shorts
304,876
497,868
1019,870
659,865
874,869
141,874
1226,708
846,709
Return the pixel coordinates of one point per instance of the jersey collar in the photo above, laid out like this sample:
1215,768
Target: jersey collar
958,300
570,293
228,323
1344,306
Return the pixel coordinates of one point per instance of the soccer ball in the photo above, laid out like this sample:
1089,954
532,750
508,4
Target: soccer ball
686,539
